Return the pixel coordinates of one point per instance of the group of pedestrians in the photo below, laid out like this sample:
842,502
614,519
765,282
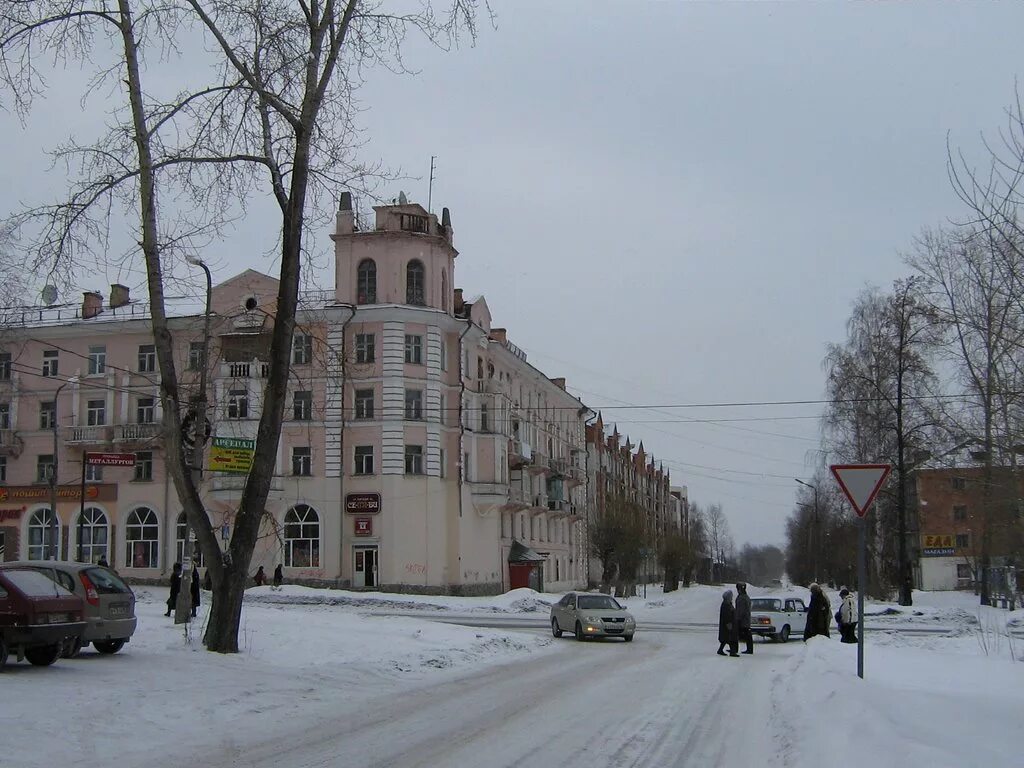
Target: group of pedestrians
260,578
172,600
734,620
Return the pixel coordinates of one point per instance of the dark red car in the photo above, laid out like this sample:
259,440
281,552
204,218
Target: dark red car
38,618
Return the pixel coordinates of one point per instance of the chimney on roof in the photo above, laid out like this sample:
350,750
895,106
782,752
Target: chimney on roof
499,334
345,221
559,382
458,300
119,295
92,304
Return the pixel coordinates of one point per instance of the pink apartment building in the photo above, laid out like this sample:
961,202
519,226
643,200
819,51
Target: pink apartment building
421,451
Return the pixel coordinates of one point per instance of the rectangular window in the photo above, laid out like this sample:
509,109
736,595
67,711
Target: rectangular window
44,467
47,415
414,459
93,473
364,403
444,355
97,360
238,404
413,349
443,416
5,415
959,512
963,571
96,413
3,469
365,347
963,540
5,366
144,465
49,362
147,358
145,411
302,349
485,422
414,404
195,355
302,461
465,467
959,483
444,467
302,405
364,460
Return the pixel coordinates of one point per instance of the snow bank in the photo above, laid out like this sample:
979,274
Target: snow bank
908,711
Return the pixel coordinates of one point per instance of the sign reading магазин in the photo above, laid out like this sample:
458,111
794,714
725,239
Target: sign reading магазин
938,552
362,503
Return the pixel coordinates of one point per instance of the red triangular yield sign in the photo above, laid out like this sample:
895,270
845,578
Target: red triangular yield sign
860,483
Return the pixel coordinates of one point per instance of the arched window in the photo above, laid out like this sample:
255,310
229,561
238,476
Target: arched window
444,290
93,535
43,529
141,538
414,292
302,537
366,282
180,530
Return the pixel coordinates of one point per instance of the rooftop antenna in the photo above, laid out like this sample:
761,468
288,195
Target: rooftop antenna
49,294
430,187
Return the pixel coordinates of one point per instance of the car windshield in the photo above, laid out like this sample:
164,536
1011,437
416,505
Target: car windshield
35,584
765,604
106,582
598,602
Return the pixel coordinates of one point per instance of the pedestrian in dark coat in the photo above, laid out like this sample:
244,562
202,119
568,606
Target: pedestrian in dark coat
847,617
278,576
727,626
102,562
260,578
175,588
817,614
208,581
743,616
194,586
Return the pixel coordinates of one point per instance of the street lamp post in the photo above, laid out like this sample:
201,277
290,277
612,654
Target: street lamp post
814,527
53,554
183,608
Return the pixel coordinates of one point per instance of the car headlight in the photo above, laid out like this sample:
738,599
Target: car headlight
592,619
630,620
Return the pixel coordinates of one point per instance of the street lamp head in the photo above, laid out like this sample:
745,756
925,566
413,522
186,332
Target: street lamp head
193,259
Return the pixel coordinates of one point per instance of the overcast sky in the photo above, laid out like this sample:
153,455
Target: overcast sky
671,203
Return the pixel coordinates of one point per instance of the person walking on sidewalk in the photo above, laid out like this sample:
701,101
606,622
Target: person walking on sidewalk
175,588
727,626
743,617
846,617
817,614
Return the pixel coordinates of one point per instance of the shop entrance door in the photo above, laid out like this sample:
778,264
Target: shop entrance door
365,567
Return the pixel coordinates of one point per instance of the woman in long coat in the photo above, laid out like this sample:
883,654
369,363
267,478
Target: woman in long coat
818,614
727,630
172,600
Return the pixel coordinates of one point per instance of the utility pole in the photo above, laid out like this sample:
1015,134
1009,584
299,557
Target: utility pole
53,553
430,184
815,544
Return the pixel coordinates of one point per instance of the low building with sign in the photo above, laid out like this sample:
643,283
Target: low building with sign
953,513
421,450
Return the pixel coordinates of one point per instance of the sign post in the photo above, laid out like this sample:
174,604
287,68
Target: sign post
861,483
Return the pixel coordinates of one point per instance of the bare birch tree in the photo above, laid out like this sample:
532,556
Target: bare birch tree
274,114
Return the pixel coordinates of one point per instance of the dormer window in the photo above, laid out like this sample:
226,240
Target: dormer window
414,293
366,282
410,222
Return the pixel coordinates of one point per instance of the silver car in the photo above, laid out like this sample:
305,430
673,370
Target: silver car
109,602
588,615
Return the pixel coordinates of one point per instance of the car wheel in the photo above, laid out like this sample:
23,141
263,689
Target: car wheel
579,632
3,654
72,648
108,646
555,629
628,638
43,656
784,635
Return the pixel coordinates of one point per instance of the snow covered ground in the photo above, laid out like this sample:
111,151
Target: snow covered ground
326,673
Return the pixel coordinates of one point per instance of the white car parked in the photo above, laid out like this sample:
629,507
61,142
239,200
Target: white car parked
777,616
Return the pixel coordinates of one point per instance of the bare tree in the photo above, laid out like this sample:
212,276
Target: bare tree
275,113
718,537
881,386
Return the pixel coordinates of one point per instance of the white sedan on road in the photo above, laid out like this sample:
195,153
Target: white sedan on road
777,616
591,616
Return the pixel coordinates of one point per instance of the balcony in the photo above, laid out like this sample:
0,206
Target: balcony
541,464
519,497
559,467
575,476
10,443
519,454
137,433
493,386
488,493
559,507
255,369
86,436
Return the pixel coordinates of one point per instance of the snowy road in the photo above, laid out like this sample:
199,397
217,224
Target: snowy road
664,700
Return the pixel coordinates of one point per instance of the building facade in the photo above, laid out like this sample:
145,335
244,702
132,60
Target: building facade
420,450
